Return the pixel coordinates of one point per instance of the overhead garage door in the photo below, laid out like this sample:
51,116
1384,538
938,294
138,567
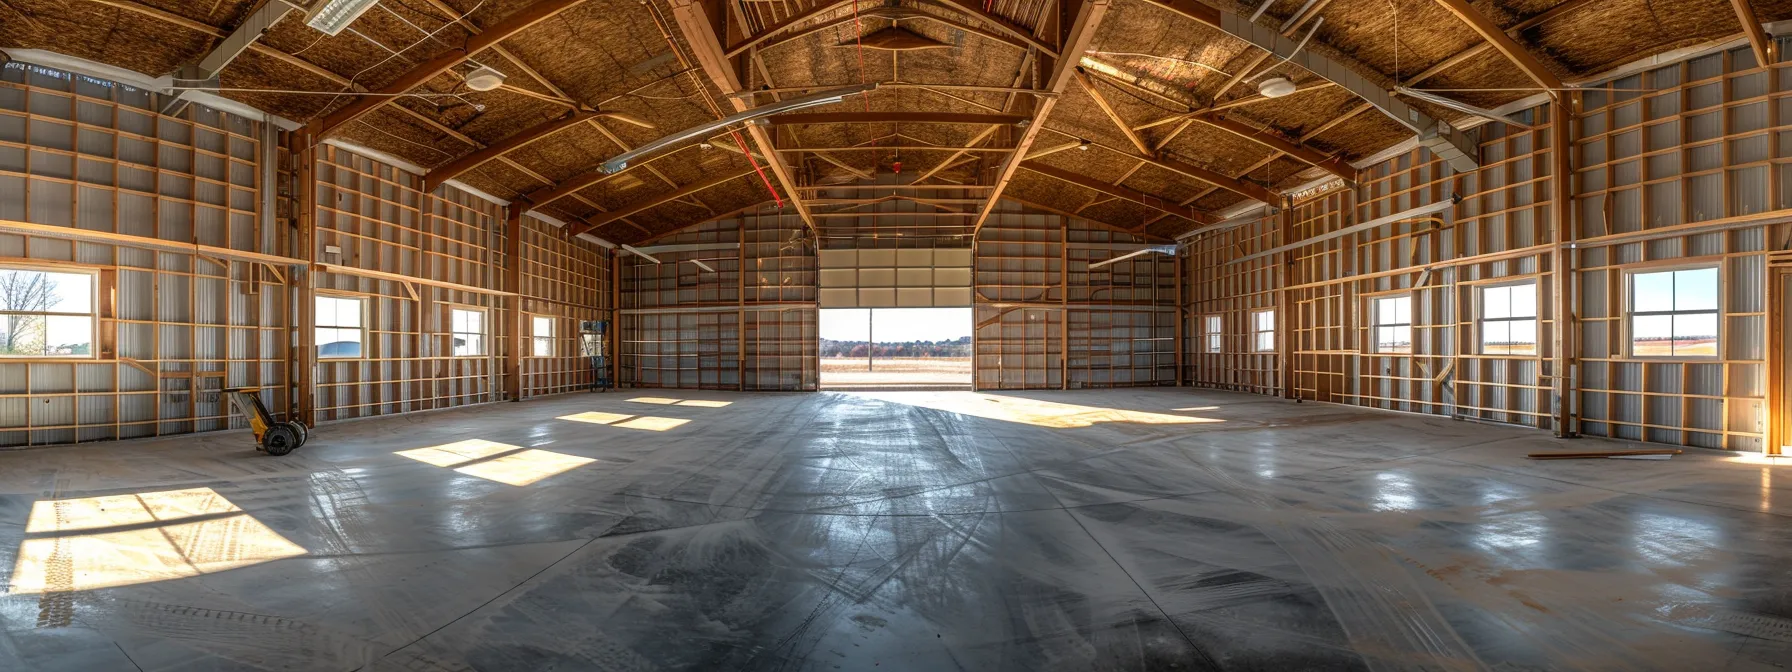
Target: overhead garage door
895,278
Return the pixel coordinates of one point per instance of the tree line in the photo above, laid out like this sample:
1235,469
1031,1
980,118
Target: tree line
959,347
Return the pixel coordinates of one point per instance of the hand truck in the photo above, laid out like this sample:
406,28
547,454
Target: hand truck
273,438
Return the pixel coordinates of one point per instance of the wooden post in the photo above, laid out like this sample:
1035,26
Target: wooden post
513,307
1564,361
302,403
1285,301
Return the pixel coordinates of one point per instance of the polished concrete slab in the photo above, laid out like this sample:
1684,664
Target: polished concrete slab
1155,529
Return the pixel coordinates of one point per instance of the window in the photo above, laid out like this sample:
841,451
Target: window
338,326
1263,330
1509,319
542,340
1393,324
1212,333
45,313
468,328
1674,313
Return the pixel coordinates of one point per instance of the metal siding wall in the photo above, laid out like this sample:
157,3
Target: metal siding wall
750,325
184,327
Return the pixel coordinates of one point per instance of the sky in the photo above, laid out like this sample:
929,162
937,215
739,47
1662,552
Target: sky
1694,289
896,325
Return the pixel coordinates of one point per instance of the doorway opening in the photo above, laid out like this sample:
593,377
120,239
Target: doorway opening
896,348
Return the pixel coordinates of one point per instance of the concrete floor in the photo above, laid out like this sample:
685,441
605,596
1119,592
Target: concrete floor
1161,529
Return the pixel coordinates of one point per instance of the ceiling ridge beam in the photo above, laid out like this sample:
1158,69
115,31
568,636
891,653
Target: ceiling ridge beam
975,10
508,27
704,37
748,43
1078,34
655,201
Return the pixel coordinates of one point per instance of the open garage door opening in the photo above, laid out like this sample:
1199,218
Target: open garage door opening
896,348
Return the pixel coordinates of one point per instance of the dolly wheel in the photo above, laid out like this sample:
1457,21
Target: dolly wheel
304,433
279,440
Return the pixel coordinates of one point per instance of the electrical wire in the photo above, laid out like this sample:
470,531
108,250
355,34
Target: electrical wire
395,54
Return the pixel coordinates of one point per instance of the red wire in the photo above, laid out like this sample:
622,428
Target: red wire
768,183
858,36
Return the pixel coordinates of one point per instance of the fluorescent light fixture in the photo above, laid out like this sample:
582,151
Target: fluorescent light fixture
330,17
1459,106
829,97
703,266
1160,249
640,254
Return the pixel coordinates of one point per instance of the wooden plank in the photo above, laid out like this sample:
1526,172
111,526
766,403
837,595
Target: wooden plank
1757,38
897,117
1113,115
1268,137
1083,19
505,29
701,32
975,10
1118,191
1511,49
656,201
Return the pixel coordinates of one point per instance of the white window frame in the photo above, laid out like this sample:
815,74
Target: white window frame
538,342
1630,313
92,315
1376,325
454,332
318,324
1258,333
1535,319
1213,329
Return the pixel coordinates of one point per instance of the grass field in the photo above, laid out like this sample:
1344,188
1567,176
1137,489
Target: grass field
842,371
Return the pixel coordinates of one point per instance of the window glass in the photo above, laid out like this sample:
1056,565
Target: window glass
468,330
46,313
1214,336
1263,324
338,332
1674,313
1508,321
1393,324
542,336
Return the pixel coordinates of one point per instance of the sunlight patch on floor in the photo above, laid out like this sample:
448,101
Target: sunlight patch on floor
459,452
1029,411
501,462
525,467
141,538
596,418
651,423
668,401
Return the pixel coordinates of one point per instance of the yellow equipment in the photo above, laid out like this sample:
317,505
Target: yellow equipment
274,438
